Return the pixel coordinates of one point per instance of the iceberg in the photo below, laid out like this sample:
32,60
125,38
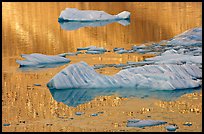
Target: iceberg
156,77
144,123
192,37
41,60
76,25
73,14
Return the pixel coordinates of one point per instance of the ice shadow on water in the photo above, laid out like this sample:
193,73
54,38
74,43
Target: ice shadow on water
73,25
74,97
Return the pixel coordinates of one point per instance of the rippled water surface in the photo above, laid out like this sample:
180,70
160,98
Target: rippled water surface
34,28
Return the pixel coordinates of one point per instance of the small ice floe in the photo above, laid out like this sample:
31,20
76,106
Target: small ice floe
37,84
79,113
69,54
86,48
157,77
144,123
95,114
100,49
171,127
73,14
117,49
6,124
74,25
99,66
94,52
41,60
139,47
142,51
122,51
187,124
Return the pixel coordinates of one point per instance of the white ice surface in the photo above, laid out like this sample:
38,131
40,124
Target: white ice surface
73,14
157,77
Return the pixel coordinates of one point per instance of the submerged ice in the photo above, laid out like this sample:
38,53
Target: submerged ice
73,14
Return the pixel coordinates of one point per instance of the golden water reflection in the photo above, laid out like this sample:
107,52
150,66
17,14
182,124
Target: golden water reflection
33,28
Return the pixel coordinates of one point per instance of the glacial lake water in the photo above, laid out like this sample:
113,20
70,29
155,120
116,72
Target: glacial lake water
34,28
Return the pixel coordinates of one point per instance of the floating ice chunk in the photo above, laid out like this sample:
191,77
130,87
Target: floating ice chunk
76,24
41,60
79,113
122,51
99,66
69,54
157,77
144,123
98,49
95,114
94,52
142,50
139,47
86,48
37,84
187,124
73,14
171,127
117,49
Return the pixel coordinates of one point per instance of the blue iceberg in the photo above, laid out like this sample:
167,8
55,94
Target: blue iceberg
157,77
41,61
192,37
73,14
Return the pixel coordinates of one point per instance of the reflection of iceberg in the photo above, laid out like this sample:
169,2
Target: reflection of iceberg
74,97
76,25
41,61
157,77
73,14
